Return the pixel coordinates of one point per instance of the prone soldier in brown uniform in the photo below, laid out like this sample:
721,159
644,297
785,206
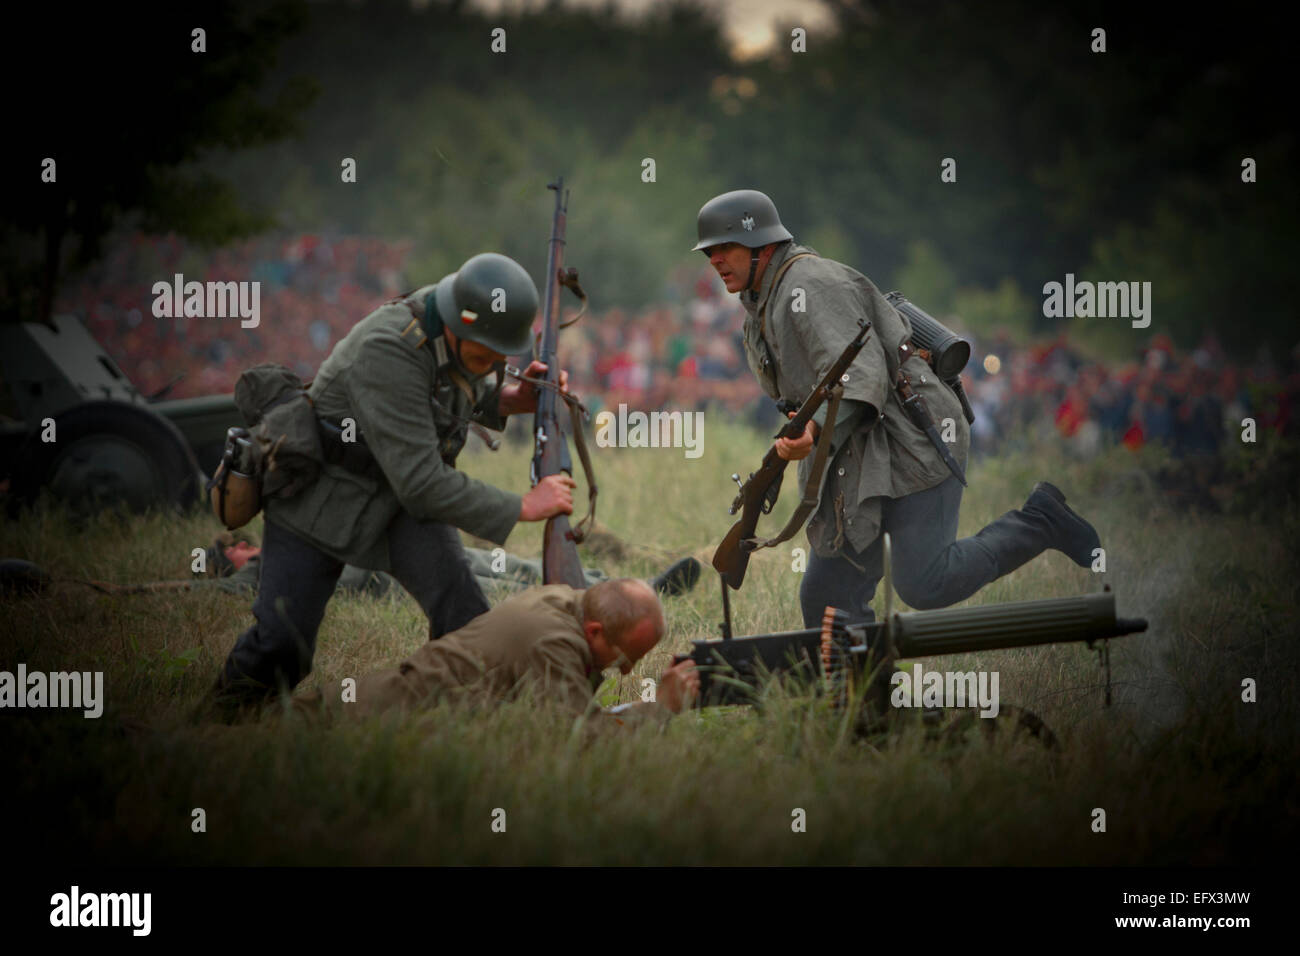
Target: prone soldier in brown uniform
552,641
886,474
413,377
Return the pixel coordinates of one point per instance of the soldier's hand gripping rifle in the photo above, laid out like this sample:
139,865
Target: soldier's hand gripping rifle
560,561
758,495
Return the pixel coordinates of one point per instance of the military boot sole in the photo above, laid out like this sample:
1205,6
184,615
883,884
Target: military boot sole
1080,537
678,579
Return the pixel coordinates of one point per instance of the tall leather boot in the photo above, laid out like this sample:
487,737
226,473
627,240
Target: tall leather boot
1044,522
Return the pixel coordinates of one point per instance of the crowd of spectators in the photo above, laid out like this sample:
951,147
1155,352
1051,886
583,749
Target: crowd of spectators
685,354
1189,402
312,290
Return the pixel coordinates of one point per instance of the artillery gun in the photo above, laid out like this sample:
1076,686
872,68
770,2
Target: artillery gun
112,446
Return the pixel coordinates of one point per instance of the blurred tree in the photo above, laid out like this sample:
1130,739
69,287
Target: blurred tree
124,114
985,312
1126,162
930,276
1123,165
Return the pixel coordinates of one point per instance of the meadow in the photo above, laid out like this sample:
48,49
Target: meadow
1186,771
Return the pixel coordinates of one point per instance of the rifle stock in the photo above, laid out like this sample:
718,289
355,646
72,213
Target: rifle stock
561,563
731,559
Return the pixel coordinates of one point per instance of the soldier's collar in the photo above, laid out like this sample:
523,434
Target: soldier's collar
785,251
431,322
443,354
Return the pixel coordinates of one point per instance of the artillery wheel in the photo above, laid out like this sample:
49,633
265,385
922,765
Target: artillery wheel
108,454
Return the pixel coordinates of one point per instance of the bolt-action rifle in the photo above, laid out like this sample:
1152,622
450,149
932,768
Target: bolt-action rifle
561,563
757,496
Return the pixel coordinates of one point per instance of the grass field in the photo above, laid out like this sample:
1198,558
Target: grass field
1185,770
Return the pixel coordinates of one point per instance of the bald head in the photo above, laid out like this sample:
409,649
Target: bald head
623,620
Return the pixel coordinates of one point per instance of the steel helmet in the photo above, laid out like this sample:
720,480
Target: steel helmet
490,300
745,216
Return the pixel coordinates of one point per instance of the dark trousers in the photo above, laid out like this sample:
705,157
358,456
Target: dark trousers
931,568
297,581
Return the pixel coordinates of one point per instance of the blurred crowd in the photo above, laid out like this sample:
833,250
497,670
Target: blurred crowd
313,289
685,354
1189,402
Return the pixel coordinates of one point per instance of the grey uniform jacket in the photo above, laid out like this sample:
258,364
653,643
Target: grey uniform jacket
792,335
401,389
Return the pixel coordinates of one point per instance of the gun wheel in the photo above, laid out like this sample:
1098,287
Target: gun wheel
108,453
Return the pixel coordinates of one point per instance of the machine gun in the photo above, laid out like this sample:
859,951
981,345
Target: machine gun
758,495
560,561
843,659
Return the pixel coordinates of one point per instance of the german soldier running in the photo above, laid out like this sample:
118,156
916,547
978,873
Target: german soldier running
414,378
886,474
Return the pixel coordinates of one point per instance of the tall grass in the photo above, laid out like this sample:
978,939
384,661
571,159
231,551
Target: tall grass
1185,770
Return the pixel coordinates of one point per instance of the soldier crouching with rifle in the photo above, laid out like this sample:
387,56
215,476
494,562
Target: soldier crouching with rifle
889,468
413,377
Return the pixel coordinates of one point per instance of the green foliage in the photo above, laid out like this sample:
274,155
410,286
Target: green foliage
1267,477
1123,165
926,272
1005,307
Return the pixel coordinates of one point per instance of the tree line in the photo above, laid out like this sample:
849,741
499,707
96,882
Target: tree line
1123,156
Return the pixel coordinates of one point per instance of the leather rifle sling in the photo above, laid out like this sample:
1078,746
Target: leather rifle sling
823,445
762,312
579,530
812,487
576,414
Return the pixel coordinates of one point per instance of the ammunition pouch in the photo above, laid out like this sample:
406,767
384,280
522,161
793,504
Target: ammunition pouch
354,455
919,413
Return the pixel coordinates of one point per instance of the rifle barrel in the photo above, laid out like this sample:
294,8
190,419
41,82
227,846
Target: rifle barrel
561,562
